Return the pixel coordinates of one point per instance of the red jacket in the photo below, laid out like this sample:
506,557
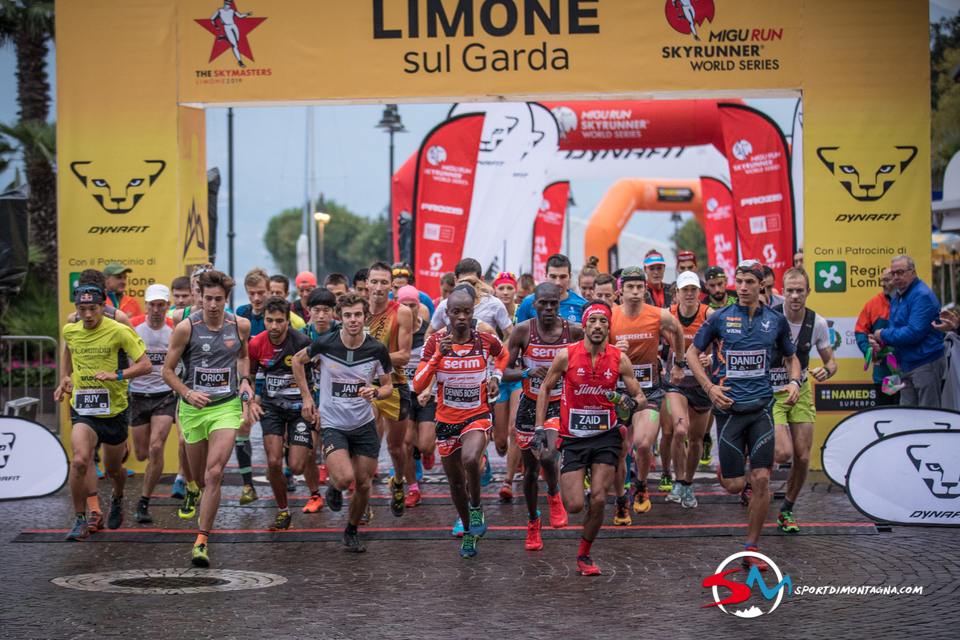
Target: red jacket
877,308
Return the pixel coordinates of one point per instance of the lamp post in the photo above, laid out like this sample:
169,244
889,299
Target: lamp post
390,122
322,218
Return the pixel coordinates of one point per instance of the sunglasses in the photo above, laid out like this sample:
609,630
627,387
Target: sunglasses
401,272
505,274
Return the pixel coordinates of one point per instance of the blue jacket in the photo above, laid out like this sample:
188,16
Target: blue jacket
915,340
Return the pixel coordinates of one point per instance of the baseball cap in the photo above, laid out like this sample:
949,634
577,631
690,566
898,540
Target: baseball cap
688,278
157,292
753,267
305,278
115,269
654,258
714,272
684,256
408,292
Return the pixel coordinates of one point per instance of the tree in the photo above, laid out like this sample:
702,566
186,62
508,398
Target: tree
944,36
945,118
691,237
350,241
29,26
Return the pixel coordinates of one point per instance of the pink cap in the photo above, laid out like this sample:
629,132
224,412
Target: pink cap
408,292
305,278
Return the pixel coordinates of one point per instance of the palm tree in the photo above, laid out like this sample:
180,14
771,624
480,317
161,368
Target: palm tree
29,26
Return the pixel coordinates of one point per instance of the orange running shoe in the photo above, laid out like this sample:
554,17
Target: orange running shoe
534,543
586,567
324,474
95,522
506,491
413,498
750,561
558,515
313,504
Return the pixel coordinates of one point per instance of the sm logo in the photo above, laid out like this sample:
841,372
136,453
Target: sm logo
741,592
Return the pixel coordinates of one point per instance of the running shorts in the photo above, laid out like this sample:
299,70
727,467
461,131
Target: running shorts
507,389
803,411
449,435
527,418
110,430
286,422
362,441
697,398
425,413
746,429
582,453
198,424
144,406
397,406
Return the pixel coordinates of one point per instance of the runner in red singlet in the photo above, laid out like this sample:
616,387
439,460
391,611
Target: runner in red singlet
589,435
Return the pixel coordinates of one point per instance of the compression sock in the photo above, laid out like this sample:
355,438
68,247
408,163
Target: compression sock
192,486
584,547
92,502
202,537
244,451
351,528
787,505
415,486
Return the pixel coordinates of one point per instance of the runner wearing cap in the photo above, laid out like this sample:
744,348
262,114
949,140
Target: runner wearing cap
116,275
590,439
747,333
637,328
305,283
95,380
486,306
686,261
653,267
153,404
571,303
689,405
421,427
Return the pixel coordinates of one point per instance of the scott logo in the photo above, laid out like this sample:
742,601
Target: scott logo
740,593
684,17
867,176
436,261
117,187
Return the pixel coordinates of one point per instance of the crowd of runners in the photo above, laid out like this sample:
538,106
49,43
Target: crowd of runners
579,383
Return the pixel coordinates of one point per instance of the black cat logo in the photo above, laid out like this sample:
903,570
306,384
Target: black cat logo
118,190
867,175
6,448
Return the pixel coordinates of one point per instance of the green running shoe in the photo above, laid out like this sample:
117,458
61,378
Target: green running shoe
666,483
705,458
786,522
199,556
189,507
478,522
468,548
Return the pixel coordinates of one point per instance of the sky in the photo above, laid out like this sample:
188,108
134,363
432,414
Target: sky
351,156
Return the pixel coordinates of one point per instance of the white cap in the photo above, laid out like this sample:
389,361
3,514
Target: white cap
157,292
688,278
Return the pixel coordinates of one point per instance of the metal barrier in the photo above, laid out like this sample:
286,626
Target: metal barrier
14,346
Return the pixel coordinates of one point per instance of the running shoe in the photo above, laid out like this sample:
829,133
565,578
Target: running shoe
676,493
282,522
115,517
468,547
334,498
586,566
534,543
313,504
199,556
656,449
688,500
367,516
80,530
428,461
458,529
786,522
95,521
291,483
666,483
397,504
745,495
352,542
558,515
142,515
487,476
705,457
324,474
249,494
641,498
622,516
750,561
413,499
189,507
419,465
478,522
179,489
100,474
506,492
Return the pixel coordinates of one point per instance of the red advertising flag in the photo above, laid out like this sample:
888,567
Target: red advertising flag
548,227
719,225
401,200
762,190
446,169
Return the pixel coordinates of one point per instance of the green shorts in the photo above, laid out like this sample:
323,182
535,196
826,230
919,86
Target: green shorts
803,411
197,424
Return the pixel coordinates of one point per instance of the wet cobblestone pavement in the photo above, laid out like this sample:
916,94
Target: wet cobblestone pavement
412,582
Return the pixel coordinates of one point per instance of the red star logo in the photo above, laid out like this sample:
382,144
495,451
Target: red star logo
222,42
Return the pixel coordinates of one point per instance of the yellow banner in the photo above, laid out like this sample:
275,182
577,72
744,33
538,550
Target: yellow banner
193,188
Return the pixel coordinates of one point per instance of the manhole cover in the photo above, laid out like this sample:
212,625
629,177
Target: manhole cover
170,581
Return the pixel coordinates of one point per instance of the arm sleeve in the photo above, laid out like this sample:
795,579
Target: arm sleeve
707,333
784,341
438,319
921,312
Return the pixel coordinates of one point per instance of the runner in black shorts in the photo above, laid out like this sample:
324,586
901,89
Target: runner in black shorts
349,362
747,332
537,342
279,407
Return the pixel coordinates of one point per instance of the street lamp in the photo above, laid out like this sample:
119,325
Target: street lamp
322,218
390,122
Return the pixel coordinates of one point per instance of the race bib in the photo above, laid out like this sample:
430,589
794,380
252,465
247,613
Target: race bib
778,377
91,402
212,381
157,358
282,386
345,389
746,364
467,397
409,373
588,421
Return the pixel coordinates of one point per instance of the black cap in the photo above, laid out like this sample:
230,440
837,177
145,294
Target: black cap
714,272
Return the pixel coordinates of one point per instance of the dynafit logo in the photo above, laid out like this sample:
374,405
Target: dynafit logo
686,15
231,28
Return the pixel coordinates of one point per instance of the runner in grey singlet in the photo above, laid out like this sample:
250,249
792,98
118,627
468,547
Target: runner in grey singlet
210,359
